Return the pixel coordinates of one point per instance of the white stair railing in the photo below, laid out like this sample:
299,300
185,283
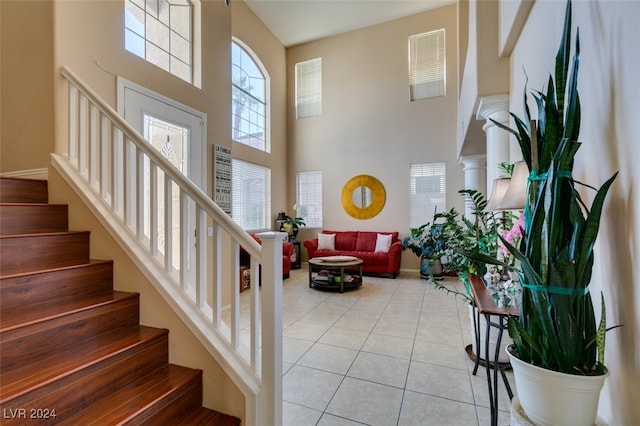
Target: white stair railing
178,236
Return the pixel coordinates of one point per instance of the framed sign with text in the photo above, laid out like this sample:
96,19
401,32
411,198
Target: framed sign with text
222,177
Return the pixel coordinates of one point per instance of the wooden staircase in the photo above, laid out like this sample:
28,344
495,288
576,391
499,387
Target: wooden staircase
72,350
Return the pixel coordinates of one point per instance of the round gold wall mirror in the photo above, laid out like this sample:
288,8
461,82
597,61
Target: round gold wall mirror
363,197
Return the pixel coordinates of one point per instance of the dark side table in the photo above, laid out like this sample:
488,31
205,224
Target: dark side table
487,307
298,262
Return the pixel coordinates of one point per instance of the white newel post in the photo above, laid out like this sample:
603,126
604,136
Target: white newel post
496,108
272,326
475,177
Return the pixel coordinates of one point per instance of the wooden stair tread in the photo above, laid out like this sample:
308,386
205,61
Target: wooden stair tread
10,319
42,234
29,204
71,358
61,268
143,394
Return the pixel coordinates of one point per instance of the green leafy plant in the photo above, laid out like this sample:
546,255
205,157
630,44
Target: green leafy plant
426,241
557,328
456,240
290,225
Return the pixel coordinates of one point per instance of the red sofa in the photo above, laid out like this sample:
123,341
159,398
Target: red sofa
362,244
287,252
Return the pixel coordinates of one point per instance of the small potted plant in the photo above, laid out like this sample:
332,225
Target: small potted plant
291,226
557,340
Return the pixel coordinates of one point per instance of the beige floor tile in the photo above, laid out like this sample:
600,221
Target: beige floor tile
293,349
319,315
297,415
331,420
359,322
422,410
396,327
370,403
305,330
440,353
440,381
481,392
389,353
443,328
329,358
344,337
381,369
399,347
309,387
484,416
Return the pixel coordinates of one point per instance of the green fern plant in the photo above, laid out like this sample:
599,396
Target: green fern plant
466,240
557,328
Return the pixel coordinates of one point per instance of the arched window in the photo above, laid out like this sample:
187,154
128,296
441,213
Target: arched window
249,99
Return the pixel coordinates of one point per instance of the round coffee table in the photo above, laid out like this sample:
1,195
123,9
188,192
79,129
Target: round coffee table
335,272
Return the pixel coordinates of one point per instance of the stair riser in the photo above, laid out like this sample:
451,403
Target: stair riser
32,219
33,342
41,252
75,283
80,389
172,408
15,190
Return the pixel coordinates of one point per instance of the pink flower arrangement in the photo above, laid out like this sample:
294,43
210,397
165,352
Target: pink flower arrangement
512,236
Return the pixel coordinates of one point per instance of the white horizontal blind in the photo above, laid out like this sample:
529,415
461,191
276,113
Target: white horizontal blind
428,191
251,189
427,63
309,198
309,88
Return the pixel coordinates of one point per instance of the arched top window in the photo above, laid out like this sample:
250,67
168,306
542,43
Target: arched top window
249,99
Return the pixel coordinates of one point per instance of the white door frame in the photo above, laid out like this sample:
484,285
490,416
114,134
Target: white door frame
134,100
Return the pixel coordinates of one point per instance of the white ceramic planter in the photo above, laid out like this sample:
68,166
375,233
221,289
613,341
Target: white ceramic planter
549,398
493,337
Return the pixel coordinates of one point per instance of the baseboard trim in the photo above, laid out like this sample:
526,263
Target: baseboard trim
41,174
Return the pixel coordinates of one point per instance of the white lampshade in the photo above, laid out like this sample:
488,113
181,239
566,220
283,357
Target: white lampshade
515,196
500,186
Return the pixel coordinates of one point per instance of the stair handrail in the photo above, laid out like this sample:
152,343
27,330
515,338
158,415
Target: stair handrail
98,138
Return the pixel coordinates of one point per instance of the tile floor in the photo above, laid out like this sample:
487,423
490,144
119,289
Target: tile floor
388,353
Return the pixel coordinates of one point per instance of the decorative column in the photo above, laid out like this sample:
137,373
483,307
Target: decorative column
496,108
475,177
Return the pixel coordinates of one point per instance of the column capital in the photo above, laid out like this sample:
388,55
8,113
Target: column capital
495,107
471,162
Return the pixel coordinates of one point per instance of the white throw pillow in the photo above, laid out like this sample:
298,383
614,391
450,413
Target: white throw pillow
326,241
383,243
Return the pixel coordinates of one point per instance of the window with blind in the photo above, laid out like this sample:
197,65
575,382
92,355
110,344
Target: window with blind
251,193
161,32
428,190
248,99
427,65
308,88
309,198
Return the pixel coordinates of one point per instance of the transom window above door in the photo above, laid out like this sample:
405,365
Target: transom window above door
161,32
249,99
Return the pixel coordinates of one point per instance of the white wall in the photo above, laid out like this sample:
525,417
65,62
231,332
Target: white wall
609,89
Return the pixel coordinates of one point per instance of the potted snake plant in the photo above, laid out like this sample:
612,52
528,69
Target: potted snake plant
556,334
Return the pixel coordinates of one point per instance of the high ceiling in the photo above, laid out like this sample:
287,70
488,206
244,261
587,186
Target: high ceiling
299,21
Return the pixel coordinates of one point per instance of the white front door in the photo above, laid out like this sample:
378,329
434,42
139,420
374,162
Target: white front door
178,133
